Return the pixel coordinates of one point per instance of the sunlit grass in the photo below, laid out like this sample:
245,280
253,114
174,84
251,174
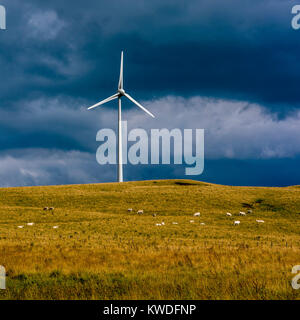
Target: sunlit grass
101,251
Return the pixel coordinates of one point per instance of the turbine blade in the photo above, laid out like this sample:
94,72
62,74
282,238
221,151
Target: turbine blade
121,73
115,96
139,105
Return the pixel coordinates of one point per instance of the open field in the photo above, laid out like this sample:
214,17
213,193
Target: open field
102,251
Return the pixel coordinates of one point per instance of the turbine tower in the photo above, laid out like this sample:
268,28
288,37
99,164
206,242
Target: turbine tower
120,93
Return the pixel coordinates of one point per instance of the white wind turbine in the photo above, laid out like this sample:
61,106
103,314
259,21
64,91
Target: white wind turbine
120,93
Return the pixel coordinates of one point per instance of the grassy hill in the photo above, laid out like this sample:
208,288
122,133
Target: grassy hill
102,251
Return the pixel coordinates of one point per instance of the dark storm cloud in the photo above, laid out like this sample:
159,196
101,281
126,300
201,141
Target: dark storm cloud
233,49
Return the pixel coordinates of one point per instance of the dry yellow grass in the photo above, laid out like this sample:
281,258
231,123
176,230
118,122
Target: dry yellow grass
102,251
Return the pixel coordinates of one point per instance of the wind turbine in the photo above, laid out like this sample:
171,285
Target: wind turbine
120,93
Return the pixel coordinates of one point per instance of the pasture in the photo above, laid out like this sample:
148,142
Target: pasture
91,247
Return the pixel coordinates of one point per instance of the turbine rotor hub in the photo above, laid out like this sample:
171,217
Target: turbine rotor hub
121,92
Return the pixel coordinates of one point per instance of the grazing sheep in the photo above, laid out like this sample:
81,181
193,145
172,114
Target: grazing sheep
249,211
202,224
158,224
192,221
175,222
30,224
55,227
46,208
260,221
130,210
197,214
236,223
20,227
154,215
228,214
140,212
242,213
51,208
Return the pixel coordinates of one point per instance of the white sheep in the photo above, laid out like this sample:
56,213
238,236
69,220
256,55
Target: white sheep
197,214
242,213
55,227
30,224
260,221
175,222
158,224
202,224
192,221
130,210
20,227
250,211
228,214
236,223
162,223
140,212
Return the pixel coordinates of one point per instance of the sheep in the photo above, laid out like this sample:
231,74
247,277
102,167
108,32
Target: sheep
130,210
249,211
55,227
158,224
175,222
51,208
20,227
228,214
260,221
140,212
154,215
30,224
242,213
236,223
202,224
46,208
197,214
192,221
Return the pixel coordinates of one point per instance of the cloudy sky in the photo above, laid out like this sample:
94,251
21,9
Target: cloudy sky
229,67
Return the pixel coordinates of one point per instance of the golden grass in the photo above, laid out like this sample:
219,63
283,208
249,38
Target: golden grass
101,251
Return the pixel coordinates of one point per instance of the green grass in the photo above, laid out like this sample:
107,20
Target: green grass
101,251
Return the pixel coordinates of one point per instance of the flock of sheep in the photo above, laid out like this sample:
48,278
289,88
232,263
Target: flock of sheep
197,214
32,223
242,213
